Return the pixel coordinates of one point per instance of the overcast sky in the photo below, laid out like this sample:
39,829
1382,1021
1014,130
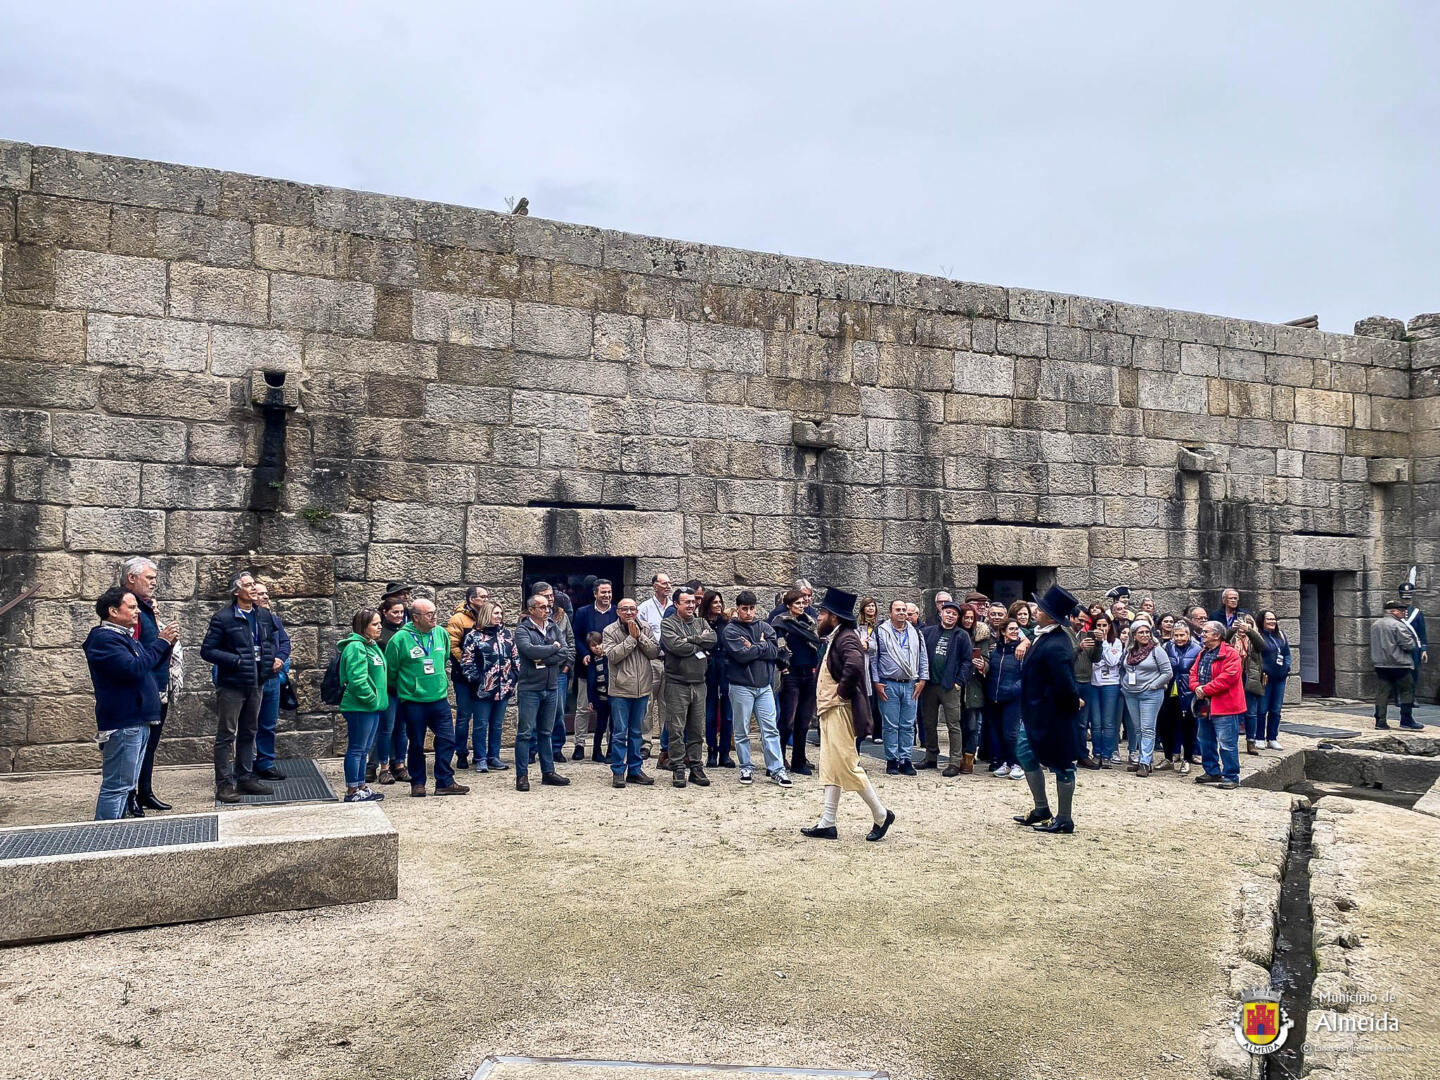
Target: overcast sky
1189,155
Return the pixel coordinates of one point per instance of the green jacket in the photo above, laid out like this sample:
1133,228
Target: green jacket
362,673
406,658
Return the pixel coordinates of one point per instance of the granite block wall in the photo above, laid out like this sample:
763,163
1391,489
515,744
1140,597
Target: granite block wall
335,388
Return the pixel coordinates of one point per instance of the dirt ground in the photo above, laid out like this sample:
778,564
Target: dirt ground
693,925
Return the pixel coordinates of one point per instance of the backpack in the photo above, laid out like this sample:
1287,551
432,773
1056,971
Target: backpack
332,688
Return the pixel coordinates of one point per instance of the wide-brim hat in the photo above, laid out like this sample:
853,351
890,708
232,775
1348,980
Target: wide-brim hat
839,603
1396,605
395,588
1058,603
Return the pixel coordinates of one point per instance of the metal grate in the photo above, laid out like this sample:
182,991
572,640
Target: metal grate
302,783
1315,731
109,836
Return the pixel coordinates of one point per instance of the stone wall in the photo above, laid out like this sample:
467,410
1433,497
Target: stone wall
729,415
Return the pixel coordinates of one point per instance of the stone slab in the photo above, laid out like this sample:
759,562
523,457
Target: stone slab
265,859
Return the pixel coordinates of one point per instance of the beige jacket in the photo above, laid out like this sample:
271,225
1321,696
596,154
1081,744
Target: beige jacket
629,659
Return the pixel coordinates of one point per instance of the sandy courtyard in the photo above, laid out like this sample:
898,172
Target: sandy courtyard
693,925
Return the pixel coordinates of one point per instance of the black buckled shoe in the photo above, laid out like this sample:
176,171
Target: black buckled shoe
1058,825
879,831
1034,817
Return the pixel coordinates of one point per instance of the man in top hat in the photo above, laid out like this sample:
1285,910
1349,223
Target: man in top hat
1049,700
844,710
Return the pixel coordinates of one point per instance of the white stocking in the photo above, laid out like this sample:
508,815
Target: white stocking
872,800
832,805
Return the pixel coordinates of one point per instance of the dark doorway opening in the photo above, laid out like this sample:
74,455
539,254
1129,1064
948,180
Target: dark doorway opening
1006,584
1317,633
568,576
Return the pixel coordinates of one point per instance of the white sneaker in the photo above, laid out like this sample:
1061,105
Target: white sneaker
782,778
747,776
1274,744
1017,773
1115,758
1003,770
1184,768
1134,757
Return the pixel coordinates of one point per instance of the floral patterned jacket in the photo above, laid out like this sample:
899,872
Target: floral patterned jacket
490,662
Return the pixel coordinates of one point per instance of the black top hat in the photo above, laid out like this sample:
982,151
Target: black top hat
1057,603
839,603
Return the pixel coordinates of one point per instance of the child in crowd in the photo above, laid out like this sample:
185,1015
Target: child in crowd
597,685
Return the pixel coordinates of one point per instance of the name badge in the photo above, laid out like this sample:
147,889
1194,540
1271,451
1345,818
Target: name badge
416,653
540,664
376,661
699,654
1132,678
429,667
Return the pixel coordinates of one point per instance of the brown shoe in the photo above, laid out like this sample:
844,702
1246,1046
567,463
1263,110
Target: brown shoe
1165,763
1250,747
1090,762
664,762
417,791
452,789
1132,767
226,793
1142,770
967,764
401,774
951,770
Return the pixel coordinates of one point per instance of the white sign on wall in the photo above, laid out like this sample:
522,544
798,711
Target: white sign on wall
1309,632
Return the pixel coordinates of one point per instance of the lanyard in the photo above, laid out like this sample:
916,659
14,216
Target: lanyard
429,641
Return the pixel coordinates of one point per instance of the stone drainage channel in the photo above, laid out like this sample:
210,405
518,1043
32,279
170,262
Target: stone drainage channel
1402,771
1292,969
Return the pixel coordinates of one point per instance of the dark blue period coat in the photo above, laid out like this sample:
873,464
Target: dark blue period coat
1049,700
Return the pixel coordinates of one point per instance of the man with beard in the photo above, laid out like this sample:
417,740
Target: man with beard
844,715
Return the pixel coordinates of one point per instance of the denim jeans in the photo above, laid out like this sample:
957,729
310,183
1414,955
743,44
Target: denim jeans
897,713
535,727
391,742
757,701
1271,700
120,755
719,724
1004,719
1025,758
269,721
627,733
1252,715
1143,708
360,727
435,715
1105,719
1219,738
558,733
466,707
489,719
1085,718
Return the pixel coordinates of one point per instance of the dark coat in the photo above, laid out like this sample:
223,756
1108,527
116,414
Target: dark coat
150,635
845,659
230,647
1049,700
122,670
957,661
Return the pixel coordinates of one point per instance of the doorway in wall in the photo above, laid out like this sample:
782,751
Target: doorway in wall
568,576
1006,584
1317,633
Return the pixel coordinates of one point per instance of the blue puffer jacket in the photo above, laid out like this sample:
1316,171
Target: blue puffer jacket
1002,681
1181,661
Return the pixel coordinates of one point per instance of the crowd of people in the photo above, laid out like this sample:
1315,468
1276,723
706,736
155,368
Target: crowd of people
705,674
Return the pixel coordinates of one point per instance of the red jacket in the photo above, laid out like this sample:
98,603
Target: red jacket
1226,688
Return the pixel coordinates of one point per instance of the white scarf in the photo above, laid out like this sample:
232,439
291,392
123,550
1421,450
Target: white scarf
905,651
